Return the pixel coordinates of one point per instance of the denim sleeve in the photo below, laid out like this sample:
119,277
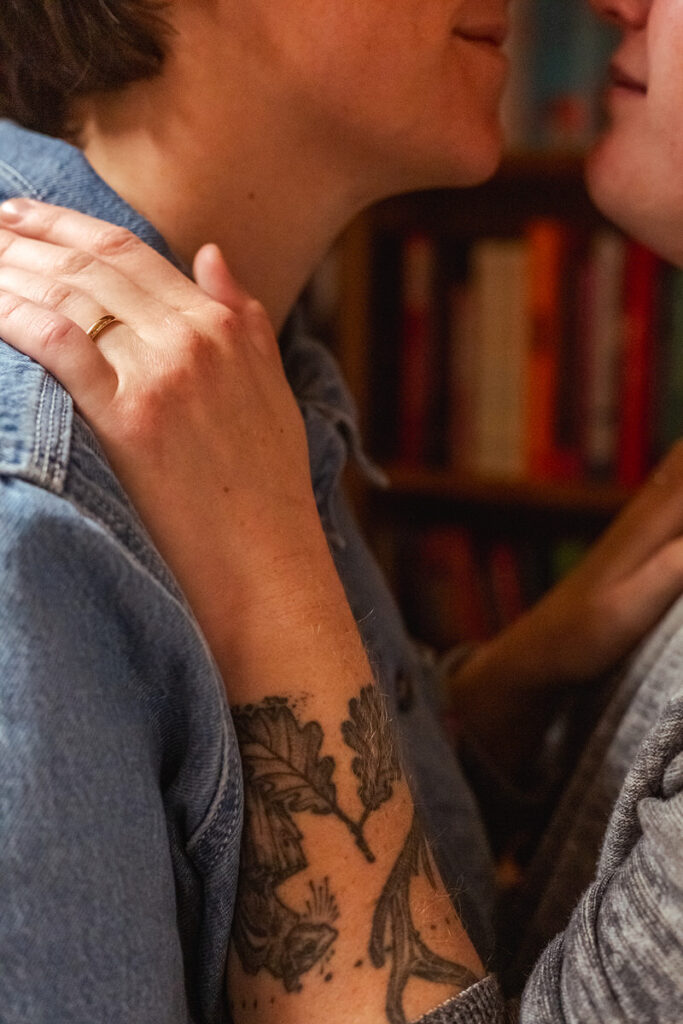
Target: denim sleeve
88,928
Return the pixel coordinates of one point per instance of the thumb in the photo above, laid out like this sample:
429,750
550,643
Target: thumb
212,275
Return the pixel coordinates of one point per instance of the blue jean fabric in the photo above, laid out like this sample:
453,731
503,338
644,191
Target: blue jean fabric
120,783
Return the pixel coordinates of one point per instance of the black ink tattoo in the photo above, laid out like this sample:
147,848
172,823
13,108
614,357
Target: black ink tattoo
394,932
283,775
368,733
286,776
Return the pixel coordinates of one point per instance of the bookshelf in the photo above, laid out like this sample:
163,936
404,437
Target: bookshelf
589,374
421,498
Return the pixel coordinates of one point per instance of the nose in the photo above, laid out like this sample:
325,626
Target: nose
624,13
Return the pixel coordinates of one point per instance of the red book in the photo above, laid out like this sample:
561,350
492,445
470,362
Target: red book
452,592
417,348
641,279
547,241
567,452
506,583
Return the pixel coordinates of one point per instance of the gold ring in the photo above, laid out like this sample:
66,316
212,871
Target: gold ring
100,325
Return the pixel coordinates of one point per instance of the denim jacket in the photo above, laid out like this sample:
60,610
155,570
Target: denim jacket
120,784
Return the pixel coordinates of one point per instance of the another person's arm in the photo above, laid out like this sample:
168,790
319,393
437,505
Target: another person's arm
582,628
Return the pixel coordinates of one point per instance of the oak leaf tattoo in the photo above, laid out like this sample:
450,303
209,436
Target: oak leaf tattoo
368,732
283,774
282,759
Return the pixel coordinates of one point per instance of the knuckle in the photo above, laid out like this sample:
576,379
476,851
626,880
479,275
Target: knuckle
111,242
54,333
10,305
224,323
72,262
56,295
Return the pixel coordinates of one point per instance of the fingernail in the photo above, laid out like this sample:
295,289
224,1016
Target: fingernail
12,210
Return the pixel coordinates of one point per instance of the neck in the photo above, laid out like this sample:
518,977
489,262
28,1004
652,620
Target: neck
272,208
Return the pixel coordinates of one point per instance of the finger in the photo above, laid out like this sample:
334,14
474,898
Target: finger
63,348
213,276
104,283
54,295
109,243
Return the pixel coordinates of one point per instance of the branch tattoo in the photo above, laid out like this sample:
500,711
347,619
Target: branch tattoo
285,777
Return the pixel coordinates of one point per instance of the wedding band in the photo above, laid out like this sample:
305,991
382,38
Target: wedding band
100,325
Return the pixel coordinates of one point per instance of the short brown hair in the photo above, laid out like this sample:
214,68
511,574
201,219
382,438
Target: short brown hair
53,51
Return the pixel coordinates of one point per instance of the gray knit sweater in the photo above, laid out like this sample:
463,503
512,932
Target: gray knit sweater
605,919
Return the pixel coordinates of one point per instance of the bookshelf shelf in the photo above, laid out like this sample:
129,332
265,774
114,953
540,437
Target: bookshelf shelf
568,496
542,183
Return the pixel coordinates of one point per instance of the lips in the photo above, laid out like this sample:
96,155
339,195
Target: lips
623,80
494,34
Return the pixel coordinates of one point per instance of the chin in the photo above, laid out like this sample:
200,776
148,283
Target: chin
627,195
444,162
470,165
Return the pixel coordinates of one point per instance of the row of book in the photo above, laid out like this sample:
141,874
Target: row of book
556,355
559,54
460,586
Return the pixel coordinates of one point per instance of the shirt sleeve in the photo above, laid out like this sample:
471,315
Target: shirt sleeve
620,959
88,926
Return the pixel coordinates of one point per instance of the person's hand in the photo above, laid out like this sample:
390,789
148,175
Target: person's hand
186,394
587,624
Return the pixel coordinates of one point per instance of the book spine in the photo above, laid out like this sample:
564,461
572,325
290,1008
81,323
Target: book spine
499,276
546,239
604,353
669,426
638,385
416,363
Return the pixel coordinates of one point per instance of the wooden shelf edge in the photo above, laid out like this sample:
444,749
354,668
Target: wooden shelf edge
572,496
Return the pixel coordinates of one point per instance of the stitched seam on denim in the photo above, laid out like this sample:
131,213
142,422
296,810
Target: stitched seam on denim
37,446
231,792
50,471
13,176
56,434
123,528
47,427
62,445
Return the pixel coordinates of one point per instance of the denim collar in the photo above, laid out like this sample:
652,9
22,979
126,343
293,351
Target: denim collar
36,414
56,172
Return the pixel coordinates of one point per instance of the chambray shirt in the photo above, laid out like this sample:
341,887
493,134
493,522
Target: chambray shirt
120,784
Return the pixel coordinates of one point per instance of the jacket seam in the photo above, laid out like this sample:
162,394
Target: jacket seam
19,180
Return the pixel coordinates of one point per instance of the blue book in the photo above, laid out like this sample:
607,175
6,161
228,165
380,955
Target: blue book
571,52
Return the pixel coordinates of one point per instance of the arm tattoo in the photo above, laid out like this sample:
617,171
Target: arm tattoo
393,922
284,778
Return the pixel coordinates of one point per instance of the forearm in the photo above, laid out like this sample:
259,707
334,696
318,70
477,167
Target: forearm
337,885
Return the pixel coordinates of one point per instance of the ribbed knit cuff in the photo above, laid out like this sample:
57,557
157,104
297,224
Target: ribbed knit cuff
482,1003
